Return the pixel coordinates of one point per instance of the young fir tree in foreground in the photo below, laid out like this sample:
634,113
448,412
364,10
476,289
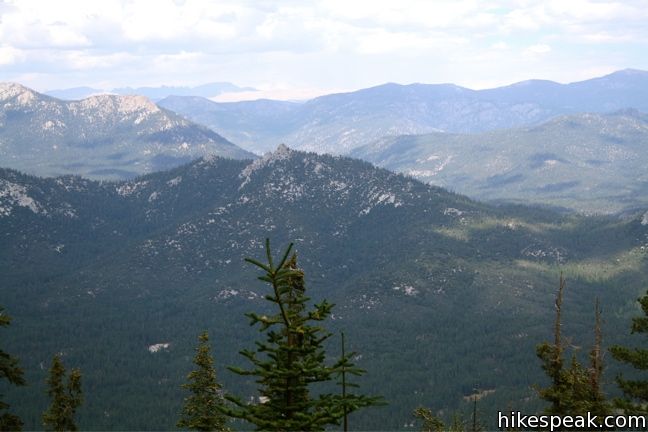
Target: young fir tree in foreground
202,409
635,390
10,371
292,359
574,390
65,397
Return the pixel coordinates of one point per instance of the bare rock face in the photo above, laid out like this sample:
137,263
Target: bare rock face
12,93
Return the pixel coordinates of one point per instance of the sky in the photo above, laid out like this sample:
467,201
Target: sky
295,49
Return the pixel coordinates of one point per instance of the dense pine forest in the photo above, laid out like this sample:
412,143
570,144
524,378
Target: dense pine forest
443,301
290,364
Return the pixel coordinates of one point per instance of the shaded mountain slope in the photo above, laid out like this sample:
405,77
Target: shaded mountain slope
438,293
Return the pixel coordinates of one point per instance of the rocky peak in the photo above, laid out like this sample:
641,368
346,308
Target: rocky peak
282,150
120,104
281,153
16,92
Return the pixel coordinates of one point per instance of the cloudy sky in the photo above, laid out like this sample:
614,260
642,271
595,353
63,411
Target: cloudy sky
297,48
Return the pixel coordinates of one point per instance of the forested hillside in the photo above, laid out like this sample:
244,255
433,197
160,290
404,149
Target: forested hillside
438,294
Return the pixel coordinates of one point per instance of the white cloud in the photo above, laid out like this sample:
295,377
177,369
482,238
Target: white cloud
10,55
538,49
383,42
316,45
80,60
499,46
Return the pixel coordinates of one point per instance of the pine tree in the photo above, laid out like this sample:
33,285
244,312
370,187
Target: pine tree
431,423
10,371
551,356
292,359
574,390
202,409
66,398
598,404
458,423
634,390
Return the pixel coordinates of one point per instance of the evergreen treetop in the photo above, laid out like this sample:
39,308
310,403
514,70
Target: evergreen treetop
430,422
65,397
291,360
574,390
202,409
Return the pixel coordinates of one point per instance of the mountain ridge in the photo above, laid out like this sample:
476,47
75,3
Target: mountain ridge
588,162
338,123
103,136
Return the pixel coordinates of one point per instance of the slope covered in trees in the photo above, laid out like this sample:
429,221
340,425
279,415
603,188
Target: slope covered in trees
439,294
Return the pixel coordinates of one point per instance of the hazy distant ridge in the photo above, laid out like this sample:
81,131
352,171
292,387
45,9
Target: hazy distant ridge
338,123
153,93
588,162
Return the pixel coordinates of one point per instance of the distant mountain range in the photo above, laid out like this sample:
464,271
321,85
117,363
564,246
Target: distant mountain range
438,293
587,162
105,136
534,141
153,93
338,123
